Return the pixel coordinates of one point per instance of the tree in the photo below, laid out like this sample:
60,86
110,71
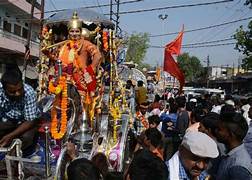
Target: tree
191,66
137,45
248,2
244,44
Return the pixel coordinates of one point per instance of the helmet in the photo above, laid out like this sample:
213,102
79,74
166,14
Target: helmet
75,22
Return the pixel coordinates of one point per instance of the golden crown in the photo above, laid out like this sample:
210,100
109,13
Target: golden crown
75,22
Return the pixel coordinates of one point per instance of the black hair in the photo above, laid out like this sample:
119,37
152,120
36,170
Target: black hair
216,100
114,176
190,106
235,123
173,108
198,113
180,101
154,136
145,104
171,100
210,121
154,119
250,101
129,81
207,96
157,98
228,97
101,162
140,83
145,165
12,76
82,169
129,84
227,108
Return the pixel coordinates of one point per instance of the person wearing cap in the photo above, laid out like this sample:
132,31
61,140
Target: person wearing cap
18,110
191,160
236,164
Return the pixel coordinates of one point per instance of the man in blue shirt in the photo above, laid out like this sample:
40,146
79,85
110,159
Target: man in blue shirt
18,110
236,164
170,132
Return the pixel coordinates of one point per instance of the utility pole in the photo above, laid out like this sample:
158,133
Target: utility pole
208,66
27,45
232,77
239,65
42,14
115,14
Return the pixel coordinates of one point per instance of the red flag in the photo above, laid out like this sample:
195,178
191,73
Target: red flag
170,64
172,67
174,47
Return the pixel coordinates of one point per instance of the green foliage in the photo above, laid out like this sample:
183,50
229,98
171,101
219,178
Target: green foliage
249,3
244,45
137,45
191,67
244,42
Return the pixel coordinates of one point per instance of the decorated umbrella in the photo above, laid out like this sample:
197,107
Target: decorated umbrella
125,73
86,15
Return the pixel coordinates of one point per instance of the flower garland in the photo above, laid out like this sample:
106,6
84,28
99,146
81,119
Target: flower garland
105,40
60,88
116,114
142,119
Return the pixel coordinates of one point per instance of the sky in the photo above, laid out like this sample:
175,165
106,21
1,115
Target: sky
191,17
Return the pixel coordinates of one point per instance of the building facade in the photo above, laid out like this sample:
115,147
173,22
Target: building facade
223,72
14,23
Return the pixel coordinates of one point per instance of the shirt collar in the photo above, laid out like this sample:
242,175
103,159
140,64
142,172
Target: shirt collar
236,149
183,175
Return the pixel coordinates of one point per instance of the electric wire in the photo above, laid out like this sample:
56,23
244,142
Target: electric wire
173,7
203,28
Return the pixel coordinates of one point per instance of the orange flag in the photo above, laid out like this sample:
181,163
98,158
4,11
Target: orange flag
158,73
170,65
174,47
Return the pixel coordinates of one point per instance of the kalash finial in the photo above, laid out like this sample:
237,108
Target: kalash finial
75,22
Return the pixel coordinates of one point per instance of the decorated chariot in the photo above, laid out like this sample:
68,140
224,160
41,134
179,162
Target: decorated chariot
81,96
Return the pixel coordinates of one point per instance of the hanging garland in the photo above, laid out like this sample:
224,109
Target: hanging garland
105,41
142,119
116,114
58,133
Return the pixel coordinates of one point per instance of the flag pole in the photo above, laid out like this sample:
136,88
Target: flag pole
163,17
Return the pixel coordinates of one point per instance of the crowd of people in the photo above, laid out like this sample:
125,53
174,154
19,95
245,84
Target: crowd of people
195,137
171,138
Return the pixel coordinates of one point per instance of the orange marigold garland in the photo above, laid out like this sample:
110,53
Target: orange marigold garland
58,133
105,40
143,120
